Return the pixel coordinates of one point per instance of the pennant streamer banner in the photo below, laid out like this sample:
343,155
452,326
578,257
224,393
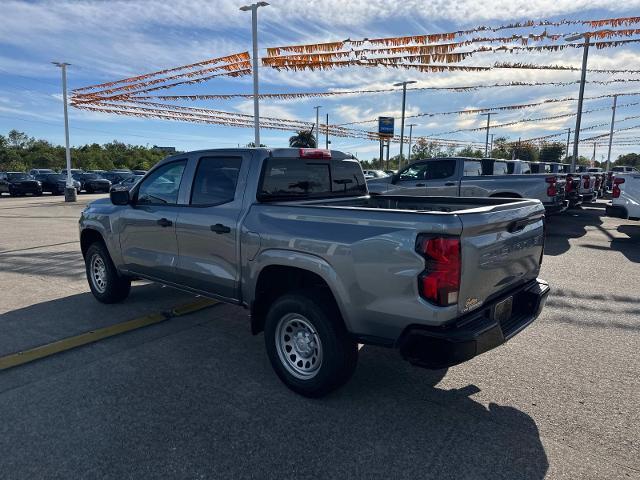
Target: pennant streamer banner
429,53
519,106
299,95
440,37
538,119
533,66
235,58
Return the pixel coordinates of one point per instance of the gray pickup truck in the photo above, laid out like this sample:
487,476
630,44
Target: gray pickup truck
472,177
293,236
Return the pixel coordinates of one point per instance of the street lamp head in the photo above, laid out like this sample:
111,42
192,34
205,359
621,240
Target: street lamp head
575,36
60,64
400,84
253,6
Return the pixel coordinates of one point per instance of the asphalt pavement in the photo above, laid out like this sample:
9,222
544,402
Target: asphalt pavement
195,396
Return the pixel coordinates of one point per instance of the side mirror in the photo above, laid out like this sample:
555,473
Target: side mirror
119,197
395,178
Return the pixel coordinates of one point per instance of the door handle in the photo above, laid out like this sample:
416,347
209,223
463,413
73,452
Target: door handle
421,184
163,222
449,184
219,228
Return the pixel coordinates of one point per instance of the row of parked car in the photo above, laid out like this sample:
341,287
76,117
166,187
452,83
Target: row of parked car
553,183
40,180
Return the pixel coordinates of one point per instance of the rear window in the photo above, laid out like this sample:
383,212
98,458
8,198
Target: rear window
500,168
472,168
289,178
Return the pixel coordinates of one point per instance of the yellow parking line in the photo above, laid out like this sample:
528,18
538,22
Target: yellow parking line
42,351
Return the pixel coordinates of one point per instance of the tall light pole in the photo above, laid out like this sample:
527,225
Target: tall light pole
254,34
404,101
583,78
69,191
613,121
491,145
318,125
411,125
326,134
486,142
568,137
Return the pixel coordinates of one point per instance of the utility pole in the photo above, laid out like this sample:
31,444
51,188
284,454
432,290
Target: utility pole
382,154
613,121
593,158
326,136
583,78
404,101
491,145
254,35
568,137
411,125
69,191
486,142
318,125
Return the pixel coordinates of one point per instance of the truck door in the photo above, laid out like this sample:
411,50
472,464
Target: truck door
441,179
148,226
207,228
430,177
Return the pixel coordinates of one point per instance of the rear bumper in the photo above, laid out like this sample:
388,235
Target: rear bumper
475,333
617,211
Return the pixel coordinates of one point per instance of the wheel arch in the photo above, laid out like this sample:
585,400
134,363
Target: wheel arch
276,279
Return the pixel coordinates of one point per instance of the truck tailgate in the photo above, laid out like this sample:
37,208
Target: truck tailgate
501,248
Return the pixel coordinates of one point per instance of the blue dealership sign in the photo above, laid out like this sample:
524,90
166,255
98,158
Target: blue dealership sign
385,126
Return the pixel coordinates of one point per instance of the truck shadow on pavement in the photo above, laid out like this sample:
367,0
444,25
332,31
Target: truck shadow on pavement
629,247
203,402
570,225
64,263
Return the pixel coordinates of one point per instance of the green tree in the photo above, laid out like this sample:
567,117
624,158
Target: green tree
425,149
551,152
631,159
303,139
470,152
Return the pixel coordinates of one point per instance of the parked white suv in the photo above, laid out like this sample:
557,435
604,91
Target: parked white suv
625,196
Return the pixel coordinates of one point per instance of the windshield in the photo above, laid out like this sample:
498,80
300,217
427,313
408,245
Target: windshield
284,178
19,176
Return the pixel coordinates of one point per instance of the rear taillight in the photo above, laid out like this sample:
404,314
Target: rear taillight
552,191
439,283
616,187
315,153
585,181
569,186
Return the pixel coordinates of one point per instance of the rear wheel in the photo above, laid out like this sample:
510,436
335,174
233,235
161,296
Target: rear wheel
308,344
106,284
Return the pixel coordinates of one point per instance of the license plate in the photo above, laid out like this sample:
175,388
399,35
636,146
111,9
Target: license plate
502,310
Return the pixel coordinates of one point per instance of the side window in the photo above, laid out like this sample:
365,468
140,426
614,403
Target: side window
162,186
441,169
415,171
215,180
526,167
472,168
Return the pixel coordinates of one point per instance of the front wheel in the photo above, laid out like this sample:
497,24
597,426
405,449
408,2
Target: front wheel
308,344
105,282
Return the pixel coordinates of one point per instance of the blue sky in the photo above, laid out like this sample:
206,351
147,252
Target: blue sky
108,40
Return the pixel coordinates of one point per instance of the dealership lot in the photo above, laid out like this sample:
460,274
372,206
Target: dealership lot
195,396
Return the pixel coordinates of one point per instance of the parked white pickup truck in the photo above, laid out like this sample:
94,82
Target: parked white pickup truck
625,196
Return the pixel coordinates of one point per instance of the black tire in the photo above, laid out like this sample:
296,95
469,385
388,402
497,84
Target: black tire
111,287
338,351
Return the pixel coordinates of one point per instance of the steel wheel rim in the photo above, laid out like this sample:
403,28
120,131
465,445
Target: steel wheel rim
98,272
299,346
